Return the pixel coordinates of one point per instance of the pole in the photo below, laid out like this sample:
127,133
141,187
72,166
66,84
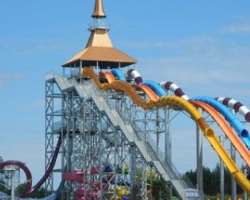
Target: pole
12,185
167,137
245,196
233,186
157,131
222,177
81,72
199,159
233,182
168,146
145,126
133,170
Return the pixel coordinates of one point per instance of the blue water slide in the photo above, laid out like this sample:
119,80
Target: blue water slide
119,74
156,87
233,121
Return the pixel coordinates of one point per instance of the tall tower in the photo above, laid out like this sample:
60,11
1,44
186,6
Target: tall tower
99,50
74,114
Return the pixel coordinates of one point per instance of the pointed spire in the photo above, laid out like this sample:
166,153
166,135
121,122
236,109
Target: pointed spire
99,38
99,49
99,9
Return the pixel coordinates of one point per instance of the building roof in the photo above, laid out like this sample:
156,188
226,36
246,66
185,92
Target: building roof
102,56
99,50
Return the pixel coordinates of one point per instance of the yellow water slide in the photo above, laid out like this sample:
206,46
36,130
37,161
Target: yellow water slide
185,105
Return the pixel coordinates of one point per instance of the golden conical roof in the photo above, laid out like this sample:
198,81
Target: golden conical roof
99,9
99,38
99,49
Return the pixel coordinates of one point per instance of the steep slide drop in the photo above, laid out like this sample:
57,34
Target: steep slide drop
214,113
176,101
235,105
216,116
24,168
241,148
110,79
29,190
235,123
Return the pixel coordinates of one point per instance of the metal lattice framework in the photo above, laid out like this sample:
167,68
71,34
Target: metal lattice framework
90,141
93,145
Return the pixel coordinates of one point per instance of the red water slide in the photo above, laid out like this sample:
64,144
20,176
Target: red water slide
28,188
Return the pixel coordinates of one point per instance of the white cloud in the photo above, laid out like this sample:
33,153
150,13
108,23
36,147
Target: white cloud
39,103
239,28
204,65
6,78
192,43
28,46
198,69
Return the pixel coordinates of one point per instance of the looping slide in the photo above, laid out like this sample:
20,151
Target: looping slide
28,189
189,108
23,167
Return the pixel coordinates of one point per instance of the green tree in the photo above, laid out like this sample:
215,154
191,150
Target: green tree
3,188
212,180
41,193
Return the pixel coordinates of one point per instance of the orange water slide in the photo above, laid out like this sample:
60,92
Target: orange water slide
147,90
186,106
241,148
108,76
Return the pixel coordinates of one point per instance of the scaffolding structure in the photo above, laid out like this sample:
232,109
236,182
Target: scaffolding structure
93,145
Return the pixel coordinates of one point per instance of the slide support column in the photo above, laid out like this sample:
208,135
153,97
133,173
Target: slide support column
234,185
133,169
168,153
199,158
222,176
245,197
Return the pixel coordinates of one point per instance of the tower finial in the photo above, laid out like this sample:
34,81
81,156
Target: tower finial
99,50
99,10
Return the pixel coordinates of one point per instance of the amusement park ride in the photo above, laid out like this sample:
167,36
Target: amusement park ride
104,126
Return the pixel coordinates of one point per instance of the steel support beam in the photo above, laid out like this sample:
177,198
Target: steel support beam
233,182
199,159
222,176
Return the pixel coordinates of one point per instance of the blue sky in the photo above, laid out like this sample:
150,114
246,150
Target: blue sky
202,45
